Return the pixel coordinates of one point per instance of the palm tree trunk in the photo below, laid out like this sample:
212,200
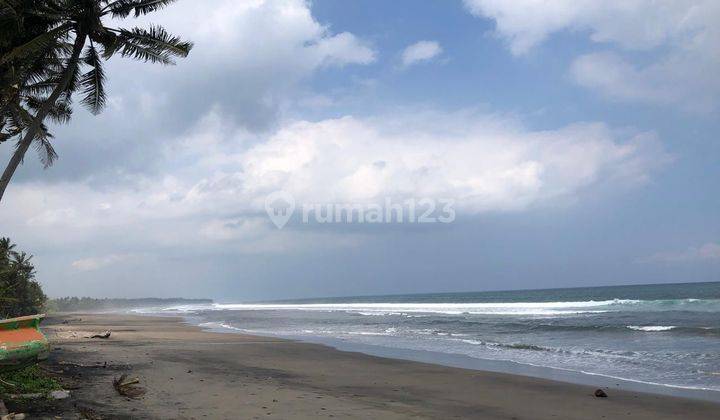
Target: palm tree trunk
31,132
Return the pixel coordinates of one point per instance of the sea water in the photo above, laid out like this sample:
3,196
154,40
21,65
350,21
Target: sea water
667,335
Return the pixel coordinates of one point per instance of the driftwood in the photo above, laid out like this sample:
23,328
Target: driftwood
13,416
104,334
10,384
126,387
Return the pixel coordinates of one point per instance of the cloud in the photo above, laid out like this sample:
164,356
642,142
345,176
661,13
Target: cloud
206,201
709,252
615,78
632,24
96,263
485,163
238,66
215,182
684,80
680,39
421,51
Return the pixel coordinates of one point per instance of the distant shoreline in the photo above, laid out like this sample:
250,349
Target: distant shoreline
88,304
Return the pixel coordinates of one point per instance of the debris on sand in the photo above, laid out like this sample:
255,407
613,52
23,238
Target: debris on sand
13,416
96,365
4,415
104,334
10,384
600,393
89,413
126,387
60,394
26,396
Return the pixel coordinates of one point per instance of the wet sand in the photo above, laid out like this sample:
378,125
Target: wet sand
192,374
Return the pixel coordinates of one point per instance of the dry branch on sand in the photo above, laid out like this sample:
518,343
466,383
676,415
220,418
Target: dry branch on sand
104,334
126,387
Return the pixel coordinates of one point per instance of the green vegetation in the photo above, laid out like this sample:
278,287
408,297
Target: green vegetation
20,293
45,47
19,75
29,380
75,304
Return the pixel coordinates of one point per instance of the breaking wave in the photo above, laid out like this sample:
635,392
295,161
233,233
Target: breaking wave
488,308
651,328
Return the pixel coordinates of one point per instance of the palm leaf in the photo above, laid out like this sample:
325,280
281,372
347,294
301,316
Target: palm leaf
36,45
155,45
9,14
108,40
93,82
60,113
10,6
17,119
123,8
42,87
9,18
7,136
44,148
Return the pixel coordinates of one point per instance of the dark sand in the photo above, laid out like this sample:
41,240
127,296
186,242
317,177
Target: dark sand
189,373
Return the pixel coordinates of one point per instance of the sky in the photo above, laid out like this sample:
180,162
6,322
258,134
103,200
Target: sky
576,141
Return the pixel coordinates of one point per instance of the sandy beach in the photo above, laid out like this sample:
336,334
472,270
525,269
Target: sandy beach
192,374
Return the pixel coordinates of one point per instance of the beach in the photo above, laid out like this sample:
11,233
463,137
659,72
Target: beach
190,373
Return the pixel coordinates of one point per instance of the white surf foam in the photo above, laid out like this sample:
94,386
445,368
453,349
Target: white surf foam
500,308
651,328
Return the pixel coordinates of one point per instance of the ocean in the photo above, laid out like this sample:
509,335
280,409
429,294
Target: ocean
665,336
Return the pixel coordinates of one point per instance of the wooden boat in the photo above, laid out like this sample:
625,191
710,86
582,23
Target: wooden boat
21,342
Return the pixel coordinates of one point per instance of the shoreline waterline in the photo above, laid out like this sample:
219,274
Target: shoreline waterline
255,376
663,336
485,365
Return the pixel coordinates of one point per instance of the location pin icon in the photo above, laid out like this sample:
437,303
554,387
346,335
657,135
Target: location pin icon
280,206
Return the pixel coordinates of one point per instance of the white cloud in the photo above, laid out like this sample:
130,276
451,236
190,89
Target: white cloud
615,78
209,199
421,51
632,24
485,163
707,252
684,79
249,57
682,36
239,31
216,191
96,263
253,75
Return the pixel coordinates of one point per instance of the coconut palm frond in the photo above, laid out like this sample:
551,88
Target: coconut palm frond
36,45
155,45
123,8
44,147
42,54
60,113
93,82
